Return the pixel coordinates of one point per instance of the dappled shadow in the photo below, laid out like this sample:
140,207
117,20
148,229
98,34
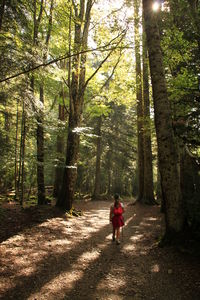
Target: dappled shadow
37,253
110,273
14,219
75,259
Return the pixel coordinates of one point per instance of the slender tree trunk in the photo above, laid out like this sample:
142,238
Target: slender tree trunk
139,102
40,117
2,8
109,170
23,144
16,152
148,196
98,159
7,119
20,152
40,152
167,152
60,151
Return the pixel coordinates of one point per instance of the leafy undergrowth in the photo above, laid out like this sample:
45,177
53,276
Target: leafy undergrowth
46,254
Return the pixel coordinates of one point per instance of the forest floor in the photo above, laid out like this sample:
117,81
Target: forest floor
46,255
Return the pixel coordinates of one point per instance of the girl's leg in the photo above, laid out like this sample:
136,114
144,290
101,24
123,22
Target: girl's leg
117,235
113,236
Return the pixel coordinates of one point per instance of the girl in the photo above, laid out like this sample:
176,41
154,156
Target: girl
116,218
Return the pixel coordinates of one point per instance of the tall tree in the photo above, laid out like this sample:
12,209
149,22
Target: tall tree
167,151
148,196
40,116
40,139
76,94
139,100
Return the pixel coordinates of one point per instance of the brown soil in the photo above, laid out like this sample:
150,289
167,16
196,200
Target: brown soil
45,255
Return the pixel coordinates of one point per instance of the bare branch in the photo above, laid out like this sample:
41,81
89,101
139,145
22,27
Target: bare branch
113,71
101,48
103,61
75,8
50,23
65,82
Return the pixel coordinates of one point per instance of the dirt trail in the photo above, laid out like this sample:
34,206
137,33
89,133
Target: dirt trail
75,259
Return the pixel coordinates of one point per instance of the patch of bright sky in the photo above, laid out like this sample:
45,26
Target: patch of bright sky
103,14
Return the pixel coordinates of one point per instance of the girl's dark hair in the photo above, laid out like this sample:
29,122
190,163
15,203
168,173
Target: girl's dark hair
116,196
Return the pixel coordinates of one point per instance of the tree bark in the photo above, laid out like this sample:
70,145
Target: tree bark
139,102
98,159
60,151
148,196
77,89
66,196
40,152
167,152
2,8
22,156
40,117
16,151
109,170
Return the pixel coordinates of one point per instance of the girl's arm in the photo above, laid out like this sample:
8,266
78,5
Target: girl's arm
111,212
122,206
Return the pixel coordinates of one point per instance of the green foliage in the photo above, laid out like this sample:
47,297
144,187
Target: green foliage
180,47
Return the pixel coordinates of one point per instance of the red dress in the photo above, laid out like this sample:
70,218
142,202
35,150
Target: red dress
117,219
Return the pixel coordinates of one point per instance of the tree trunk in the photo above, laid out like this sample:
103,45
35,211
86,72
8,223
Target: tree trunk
139,102
23,141
148,196
76,92
167,152
16,152
98,159
40,152
2,8
60,152
158,188
40,117
109,190
7,119
66,196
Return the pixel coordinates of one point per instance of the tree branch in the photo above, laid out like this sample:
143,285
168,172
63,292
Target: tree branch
113,71
101,48
103,61
75,8
50,23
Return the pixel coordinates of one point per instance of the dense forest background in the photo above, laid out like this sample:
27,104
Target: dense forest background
80,114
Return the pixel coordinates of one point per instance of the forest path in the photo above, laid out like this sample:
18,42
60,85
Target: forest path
74,259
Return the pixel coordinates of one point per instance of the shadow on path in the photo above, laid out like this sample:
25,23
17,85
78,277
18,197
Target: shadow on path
75,259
